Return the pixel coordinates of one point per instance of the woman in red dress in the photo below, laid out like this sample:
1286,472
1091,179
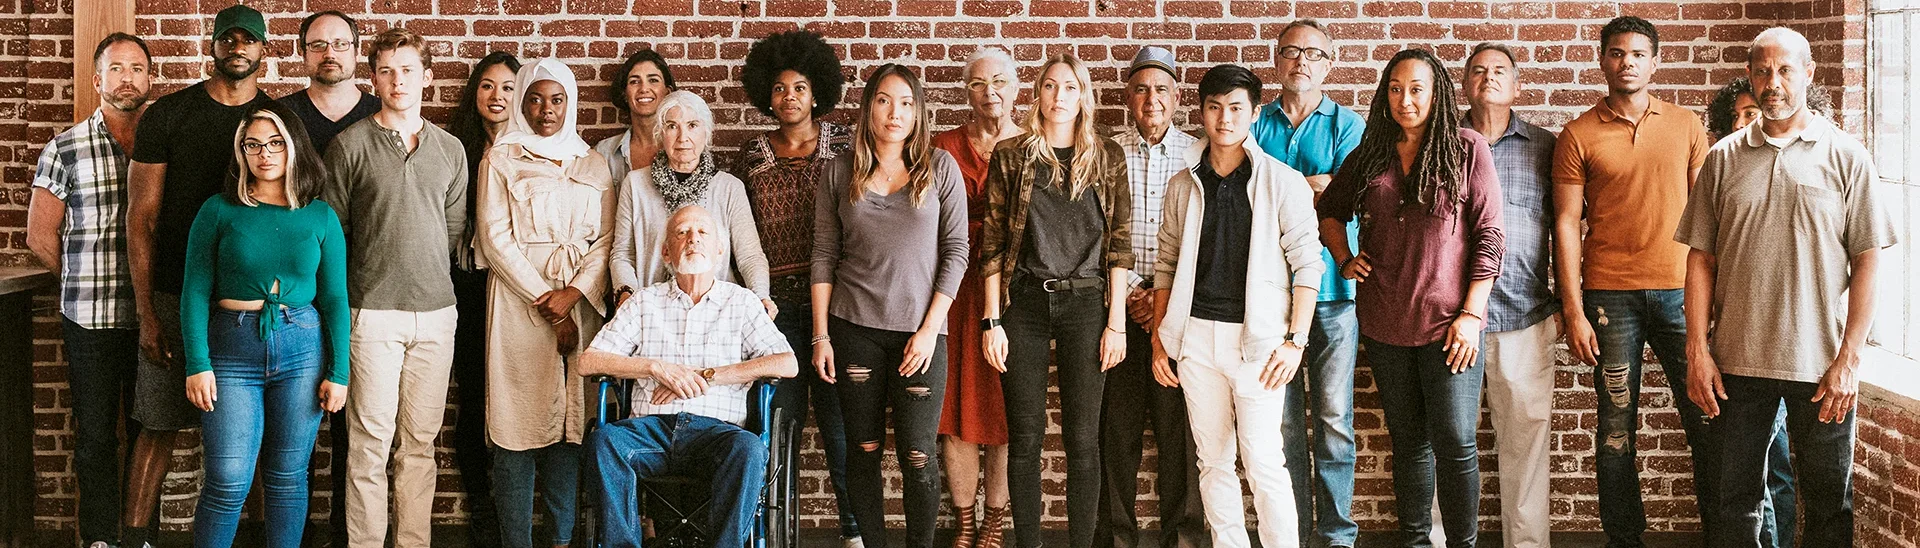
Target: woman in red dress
974,414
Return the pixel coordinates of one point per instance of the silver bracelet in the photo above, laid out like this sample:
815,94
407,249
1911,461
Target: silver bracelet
817,339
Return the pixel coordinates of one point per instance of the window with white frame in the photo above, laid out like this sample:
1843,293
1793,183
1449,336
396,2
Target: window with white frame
1893,111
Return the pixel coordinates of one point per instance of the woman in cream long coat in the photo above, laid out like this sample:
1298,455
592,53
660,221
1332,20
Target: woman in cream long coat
545,213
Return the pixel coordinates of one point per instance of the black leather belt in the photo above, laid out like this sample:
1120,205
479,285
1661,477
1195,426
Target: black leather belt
1058,285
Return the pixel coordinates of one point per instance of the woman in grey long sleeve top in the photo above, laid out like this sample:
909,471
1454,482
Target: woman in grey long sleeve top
890,246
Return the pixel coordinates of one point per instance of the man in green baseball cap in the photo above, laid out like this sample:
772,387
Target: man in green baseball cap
182,150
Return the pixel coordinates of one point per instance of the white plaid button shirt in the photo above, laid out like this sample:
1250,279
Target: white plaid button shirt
87,170
726,327
1149,167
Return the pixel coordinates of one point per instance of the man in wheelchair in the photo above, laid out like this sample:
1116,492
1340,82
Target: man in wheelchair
696,345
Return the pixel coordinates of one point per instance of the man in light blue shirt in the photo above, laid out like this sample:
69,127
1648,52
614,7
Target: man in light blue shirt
1309,132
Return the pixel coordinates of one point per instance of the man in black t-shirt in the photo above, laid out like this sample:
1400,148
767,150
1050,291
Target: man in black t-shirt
329,46
182,151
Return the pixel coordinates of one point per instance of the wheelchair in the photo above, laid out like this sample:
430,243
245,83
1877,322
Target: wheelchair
677,505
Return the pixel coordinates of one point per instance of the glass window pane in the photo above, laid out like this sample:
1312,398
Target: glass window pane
1891,101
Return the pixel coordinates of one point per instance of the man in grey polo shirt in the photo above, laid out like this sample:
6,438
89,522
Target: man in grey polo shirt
1785,228
399,186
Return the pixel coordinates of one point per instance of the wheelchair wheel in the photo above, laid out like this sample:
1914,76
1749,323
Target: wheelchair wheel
781,511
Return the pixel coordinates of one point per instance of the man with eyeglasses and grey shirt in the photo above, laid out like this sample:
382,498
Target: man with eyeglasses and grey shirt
1306,130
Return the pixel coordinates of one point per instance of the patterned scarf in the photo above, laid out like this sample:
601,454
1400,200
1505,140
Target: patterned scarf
677,192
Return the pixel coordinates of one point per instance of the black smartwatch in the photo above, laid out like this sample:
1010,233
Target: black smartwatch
988,324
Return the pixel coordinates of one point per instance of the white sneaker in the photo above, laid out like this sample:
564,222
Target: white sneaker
854,542
100,544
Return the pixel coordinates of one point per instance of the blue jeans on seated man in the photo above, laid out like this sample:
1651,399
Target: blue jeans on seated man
733,459
1322,470
558,469
267,414
1746,430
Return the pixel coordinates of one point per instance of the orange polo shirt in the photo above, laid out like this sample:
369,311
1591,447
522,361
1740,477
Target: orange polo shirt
1637,177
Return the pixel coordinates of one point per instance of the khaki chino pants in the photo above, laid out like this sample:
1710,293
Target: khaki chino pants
401,363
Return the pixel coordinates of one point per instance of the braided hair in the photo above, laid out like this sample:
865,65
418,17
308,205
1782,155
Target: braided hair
1439,168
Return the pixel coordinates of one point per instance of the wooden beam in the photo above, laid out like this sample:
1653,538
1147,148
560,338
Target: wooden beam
92,21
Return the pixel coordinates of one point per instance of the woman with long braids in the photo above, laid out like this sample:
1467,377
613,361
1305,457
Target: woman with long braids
1429,205
641,83
889,249
975,415
1057,250
794,78
486,105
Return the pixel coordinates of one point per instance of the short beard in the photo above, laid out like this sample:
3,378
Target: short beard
1783,114
328,78
126,105
220,66
693,266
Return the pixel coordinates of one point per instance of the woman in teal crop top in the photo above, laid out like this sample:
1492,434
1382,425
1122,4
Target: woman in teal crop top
264,318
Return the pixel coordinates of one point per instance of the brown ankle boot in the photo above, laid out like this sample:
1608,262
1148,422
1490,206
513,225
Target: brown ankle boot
992,528
963,522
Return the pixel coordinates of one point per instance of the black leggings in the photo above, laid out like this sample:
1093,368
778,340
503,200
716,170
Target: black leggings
867,374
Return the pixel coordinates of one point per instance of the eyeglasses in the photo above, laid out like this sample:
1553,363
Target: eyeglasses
275,146
982,85
318,46
1312,54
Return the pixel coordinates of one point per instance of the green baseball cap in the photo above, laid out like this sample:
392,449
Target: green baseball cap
240,17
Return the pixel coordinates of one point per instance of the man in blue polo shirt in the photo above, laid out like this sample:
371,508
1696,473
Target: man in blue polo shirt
1308,131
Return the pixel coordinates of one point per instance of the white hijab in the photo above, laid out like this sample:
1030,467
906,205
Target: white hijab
564,145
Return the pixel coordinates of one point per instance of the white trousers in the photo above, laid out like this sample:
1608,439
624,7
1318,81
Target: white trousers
1232,415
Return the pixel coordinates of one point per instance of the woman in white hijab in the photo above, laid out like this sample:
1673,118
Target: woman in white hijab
544,217
683,173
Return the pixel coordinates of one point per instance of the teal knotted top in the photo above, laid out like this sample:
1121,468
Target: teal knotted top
239,252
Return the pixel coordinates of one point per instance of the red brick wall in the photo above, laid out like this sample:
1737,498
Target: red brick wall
705,41
1886,470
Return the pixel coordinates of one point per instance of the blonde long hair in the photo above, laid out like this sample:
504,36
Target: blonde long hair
1086,166
919,146
305,170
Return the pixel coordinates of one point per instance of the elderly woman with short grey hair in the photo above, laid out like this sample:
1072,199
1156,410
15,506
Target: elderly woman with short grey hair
683,173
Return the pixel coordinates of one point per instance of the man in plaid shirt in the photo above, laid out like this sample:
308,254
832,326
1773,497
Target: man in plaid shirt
696,344
76,225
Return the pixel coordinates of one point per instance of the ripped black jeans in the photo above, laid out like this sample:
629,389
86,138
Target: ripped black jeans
867,375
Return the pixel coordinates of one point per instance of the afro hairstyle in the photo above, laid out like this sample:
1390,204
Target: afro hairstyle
800,51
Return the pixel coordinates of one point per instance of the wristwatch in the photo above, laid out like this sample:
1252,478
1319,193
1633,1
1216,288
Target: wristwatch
987,324
1299,339
706,374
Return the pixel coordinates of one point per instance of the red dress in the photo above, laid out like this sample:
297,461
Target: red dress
974,409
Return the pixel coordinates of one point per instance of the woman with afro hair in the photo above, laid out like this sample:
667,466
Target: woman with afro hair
794,78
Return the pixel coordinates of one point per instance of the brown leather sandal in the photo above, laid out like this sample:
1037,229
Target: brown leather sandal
992,528
963,521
